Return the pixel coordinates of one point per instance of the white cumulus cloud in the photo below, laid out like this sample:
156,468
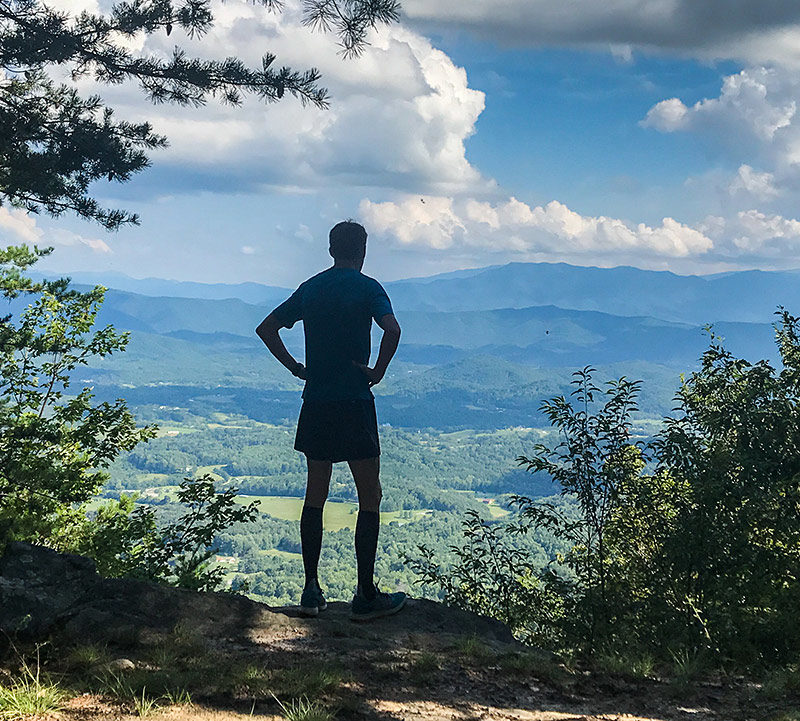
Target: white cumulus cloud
754,122
758,103
399,115
750,182
754,234
18,226
518,230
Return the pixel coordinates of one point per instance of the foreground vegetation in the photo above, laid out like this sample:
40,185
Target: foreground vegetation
685,547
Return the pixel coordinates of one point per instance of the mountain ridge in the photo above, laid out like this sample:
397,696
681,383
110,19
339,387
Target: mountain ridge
749,296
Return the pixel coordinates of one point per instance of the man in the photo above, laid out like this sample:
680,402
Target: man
337,420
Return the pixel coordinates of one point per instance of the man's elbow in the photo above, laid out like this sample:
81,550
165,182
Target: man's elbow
266,328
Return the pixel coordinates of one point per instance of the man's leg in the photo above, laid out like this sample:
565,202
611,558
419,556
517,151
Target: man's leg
319,478
366,474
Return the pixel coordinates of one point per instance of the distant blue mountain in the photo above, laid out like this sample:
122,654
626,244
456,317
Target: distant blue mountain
255,293
750,296
744,296
539,335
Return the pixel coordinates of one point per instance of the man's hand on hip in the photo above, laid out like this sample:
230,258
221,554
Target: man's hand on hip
373,376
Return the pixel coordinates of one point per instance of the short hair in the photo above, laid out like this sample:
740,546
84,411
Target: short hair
348,240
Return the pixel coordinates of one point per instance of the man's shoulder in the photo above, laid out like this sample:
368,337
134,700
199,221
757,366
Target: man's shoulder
353,282
371,282
314,280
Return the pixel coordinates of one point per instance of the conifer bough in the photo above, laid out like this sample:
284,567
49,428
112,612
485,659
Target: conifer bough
54,143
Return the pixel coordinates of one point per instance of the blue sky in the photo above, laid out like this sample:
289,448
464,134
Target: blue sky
470,134
566,124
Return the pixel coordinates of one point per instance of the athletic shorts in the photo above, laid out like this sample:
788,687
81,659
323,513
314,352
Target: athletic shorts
338,430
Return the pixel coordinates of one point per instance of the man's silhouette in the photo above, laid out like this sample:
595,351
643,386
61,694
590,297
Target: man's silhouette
337,420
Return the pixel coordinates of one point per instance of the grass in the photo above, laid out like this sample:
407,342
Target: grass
86,657
303,709
30,694
423,668
251,680
132,689
187,639
633,665
178,697
473,648
144,705
296,682
686,667
336,517
211,470
167,429
535,664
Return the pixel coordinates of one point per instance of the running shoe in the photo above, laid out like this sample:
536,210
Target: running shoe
384,604
312,601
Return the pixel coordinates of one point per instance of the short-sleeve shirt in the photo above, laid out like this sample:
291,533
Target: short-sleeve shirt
337,307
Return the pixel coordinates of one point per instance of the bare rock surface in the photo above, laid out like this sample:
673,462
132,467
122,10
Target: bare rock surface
42,591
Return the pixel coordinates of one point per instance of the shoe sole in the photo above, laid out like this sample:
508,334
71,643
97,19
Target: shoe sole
377,614
312,611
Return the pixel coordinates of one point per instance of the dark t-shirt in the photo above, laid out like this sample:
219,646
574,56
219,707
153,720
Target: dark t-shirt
337,307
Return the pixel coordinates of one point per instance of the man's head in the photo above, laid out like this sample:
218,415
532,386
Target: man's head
348,242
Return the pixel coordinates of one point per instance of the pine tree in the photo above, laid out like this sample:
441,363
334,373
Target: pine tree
55,143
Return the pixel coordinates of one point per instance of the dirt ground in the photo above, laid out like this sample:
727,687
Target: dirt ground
427,663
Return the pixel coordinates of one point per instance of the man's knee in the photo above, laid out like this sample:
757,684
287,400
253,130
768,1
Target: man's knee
370,495
366,474
319,476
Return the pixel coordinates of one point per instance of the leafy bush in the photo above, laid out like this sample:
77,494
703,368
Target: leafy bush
125,539
694,557
55,446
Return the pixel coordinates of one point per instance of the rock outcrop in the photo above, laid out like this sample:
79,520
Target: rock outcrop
45,592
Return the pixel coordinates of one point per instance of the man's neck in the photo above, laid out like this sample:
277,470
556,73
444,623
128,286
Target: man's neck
352,264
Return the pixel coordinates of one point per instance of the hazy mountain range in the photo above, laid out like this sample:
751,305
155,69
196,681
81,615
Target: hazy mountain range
749,296
487,344
536,313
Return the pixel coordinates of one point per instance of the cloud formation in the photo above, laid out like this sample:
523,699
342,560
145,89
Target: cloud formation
749,30
20,227
399,115
754,234
511,230
757,106
751,183
518,230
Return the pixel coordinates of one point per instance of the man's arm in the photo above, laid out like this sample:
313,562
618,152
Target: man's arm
391,338
268,332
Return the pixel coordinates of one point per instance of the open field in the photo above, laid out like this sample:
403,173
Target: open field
336,516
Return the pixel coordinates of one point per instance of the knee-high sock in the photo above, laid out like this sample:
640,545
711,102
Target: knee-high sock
311,540
367,527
